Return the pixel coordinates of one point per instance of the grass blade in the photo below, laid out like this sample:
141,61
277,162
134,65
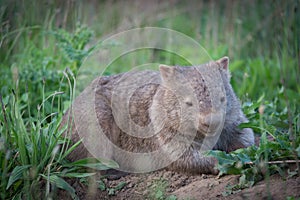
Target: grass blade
62,184
98,164
78,175
16,174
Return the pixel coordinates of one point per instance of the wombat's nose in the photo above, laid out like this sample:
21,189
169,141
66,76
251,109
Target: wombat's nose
209,123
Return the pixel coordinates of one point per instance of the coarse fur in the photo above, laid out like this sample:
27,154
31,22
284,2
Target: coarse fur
169,112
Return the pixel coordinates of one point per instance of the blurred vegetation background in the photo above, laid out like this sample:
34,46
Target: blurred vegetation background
260,37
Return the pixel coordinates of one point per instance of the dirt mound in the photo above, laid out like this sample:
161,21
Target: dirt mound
275,188
166,184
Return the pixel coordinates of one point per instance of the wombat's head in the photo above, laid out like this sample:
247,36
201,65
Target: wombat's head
193,99
196,97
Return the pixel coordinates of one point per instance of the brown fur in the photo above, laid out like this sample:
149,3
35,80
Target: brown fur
160,105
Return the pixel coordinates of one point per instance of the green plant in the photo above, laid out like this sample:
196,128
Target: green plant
110,190
33,152
158,190
279,146
73,44
33,146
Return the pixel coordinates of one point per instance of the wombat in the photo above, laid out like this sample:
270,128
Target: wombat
171,111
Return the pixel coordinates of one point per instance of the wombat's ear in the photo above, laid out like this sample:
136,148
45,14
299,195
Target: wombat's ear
223,62
166,72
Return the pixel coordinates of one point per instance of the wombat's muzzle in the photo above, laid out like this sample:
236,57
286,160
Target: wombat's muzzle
211,123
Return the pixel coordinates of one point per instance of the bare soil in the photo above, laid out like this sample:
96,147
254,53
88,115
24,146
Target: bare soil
163,184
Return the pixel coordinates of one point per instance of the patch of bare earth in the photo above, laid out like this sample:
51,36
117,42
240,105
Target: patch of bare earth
183,186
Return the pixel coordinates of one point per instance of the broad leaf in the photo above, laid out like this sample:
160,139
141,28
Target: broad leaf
16,174
98,164
61,183
77,175
223,157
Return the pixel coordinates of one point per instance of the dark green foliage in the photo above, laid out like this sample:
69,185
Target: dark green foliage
33,152
73,44
278,146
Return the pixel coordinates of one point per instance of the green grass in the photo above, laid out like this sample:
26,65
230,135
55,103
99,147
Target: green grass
34,150
43,44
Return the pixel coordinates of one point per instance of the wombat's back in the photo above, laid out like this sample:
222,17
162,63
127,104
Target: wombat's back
102,90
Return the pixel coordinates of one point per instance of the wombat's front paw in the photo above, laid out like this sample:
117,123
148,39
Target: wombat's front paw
214,169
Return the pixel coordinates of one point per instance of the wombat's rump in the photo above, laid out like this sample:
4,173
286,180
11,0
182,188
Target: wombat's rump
178,112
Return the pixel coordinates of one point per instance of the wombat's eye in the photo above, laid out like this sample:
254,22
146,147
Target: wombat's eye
222,99
189,103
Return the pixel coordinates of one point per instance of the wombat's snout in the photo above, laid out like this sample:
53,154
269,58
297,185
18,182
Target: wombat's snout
210,123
